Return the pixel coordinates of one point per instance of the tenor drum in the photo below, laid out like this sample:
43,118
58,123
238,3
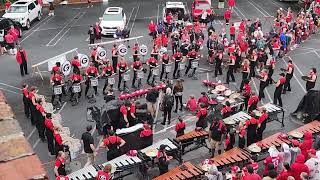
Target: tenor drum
167,69
126,77
76,88
194,64
57,90
140,74
111,80
94,82
155,71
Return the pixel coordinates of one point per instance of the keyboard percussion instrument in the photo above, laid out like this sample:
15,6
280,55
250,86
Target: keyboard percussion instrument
273,111
231,157
195,136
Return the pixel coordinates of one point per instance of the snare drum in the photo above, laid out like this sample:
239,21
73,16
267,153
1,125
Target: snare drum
155,71
140,74
168,68
76,88
94,82
182,66
126,77
111,80
57,90
194,64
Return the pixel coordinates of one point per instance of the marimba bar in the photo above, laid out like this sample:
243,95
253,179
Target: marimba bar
272,140
312,127
234,155
192,137
274,110
238,117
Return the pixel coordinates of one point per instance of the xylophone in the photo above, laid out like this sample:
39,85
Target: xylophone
191,137
273,140
312,127
234,155
183,172
273,111
172,149
236,118
122,163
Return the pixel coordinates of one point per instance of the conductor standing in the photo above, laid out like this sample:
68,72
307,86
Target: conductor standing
22,59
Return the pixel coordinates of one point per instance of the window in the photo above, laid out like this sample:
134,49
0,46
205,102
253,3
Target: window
17,9
31,6
112,17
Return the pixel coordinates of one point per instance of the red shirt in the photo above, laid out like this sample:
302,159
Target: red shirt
7,5
122,65
133,108
165,40
92,70
247,90
57,137
123,110
225,110
152,27
253,100
25,92
9,38
203,99
111,140
227,14
56,77
251,177
108,69
55,69
76,77
31,95
152,60
263,117
137,64
146,133
202,112
251,121
102,175
269,160
75,62
58,162
232,30
14,32
282,80
192,54
242,26
177,55
180,125
169,19
93,53
62,178
48,123
192,105
40,108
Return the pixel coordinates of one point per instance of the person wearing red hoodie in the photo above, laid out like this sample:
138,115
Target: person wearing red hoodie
152,29
306,145
22,59
227,16
251,174
192,104
285,173
298,167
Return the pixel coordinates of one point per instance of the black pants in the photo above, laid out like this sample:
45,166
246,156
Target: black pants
189,67
246,99
32,113
114,62
310,85
263,85
106,85
277,97
91,40
242,142
287,86
230,74
176,70
232,37
167,114
217,69
26,104
88,84
50,141
270,73
149,76
54,96
120,80
245,76
135,75
252,70
40,125
178,99
163,69
260,130
23,68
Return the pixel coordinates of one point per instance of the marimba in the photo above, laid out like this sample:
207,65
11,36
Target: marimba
172,149
182,172
122,163
236,118
273,140
192,137
233,156
273,111
312,127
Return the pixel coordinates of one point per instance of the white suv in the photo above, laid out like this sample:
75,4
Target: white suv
113,18
24,11
173,8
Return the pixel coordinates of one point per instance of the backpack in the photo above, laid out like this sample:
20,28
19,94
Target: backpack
169,101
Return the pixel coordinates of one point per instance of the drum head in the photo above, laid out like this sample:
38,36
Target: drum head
220,88
234,96
254,148
227,92
220,98
152,152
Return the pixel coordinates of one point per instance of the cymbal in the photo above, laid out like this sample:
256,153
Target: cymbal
220,88
234,95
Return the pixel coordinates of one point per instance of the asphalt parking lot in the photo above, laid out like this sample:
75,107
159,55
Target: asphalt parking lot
68,29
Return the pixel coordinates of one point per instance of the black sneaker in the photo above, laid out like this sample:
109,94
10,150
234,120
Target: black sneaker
163,123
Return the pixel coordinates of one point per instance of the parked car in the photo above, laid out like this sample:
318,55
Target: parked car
198,7
174,8
5,25
112,19
25,12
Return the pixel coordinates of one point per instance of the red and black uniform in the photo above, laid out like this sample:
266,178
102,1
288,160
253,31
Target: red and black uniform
226,111
289,76
152,62
252,103
102,175
124,112
251,125
271,68
263,84
31,96
40,121
62,178
137,66
114,57
218,60
112,142
108,71
201,115
245,71
49,135
26,102
135,51
22,59
192,55
57,81
57,141
246,93
122,66
91,72
180,127
76,65
154,53
56,70
231,67
177,59
146,137
278,90
76,79
310,83
263,124
60,163
165,62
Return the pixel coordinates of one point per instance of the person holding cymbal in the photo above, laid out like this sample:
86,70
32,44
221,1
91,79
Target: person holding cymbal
311,79
278,90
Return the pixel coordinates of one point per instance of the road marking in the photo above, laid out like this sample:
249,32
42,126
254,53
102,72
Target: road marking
130,17
62,107
307,52
135,17
44,22
257,92
35,144
316,54
31,29
208,80
280,6
296,66
29,136
303,88
261,8
69,22
267,92
158,14
244,17
257,8
10,86
9,91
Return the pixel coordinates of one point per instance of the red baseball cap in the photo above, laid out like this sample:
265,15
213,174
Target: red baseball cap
312,151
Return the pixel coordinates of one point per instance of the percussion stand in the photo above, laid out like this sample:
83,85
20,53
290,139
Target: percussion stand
92,99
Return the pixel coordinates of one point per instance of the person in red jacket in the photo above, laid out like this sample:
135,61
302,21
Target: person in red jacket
231,4
180,127
232,31
7,5
152,29
146,135
285,173
227,16
14,32
192,104
105,173
253,101
306,144
251,174
22,59
10,41
298,167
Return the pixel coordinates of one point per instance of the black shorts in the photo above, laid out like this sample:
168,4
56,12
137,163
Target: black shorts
51,7
10,45
2,44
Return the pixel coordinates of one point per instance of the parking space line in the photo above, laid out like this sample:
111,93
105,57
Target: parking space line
68,23
134,19
236,8
256,8
303,88
255,87
31,29
130,17
280,6
29,136
168,127
35,144
158,14
317,53
296,66
44,22
9,91
10,86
